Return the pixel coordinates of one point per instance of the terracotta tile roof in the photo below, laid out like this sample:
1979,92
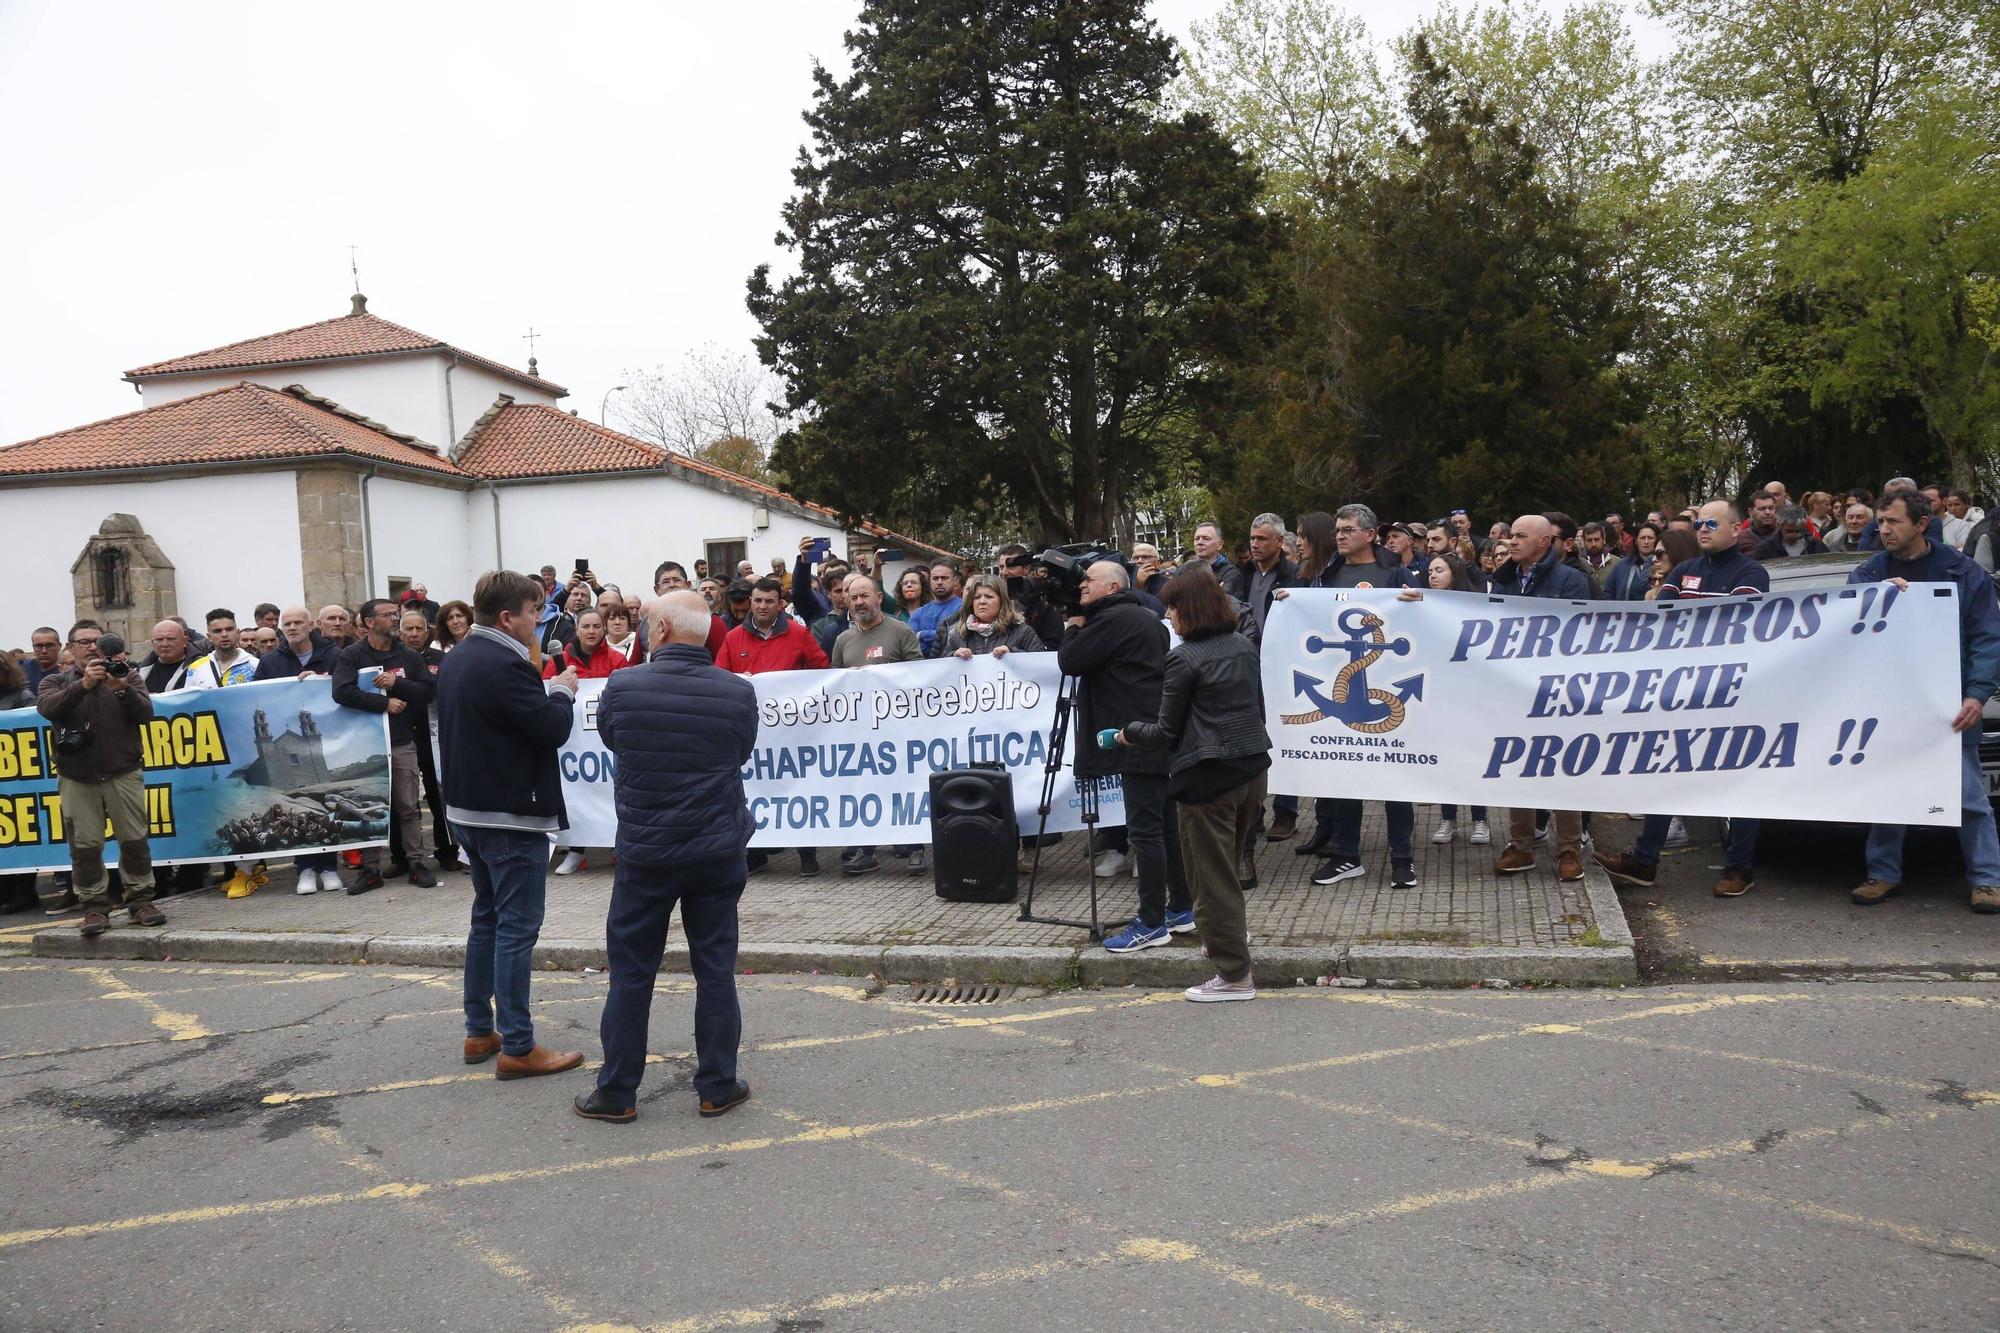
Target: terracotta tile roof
517,440
242,423
328,340
536,440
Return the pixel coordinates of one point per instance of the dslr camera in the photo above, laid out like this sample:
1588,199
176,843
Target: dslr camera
112,647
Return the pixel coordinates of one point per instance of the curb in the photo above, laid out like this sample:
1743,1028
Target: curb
1174,966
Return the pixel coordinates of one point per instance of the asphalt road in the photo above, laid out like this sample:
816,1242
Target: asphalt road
1798,919
203,1147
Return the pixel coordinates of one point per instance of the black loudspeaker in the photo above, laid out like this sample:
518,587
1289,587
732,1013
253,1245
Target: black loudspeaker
973,837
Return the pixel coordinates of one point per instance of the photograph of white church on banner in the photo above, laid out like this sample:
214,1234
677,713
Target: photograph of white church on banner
346,459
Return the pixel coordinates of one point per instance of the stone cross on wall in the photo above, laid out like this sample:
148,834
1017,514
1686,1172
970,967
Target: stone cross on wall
123,580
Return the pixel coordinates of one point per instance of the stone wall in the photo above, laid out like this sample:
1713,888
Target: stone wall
123,581
332,542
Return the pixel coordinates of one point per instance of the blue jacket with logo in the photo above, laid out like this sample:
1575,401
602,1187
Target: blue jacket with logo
682,728
1730,574
1978,613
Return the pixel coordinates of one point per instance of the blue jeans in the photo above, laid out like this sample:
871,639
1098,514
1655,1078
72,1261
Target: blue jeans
1976,837
510,879
1737,854
1346,840
635,937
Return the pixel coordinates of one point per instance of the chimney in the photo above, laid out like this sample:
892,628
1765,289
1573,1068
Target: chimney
360,303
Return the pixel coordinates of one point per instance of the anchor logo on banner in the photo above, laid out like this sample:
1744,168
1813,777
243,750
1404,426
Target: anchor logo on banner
1350,699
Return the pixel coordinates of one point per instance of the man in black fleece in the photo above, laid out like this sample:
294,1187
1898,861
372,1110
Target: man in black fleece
404,681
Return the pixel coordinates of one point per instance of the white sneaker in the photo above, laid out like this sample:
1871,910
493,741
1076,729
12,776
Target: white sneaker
1677,833
1481,835
1112,864
1446,831
571,863
329,882
1216,989
308,882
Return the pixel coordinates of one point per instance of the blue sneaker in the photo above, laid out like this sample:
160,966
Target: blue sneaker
1180,923
1136,935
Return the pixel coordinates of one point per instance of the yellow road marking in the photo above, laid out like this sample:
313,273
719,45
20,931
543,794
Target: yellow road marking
1411,1203
1929,1240
504,1264
849,1301
177,1026
177,990
1150,1248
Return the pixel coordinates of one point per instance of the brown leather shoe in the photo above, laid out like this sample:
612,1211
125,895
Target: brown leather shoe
1513,861
1874,891
1735,882
541,1060
1627,869
1569,867
94,923
478,1050
145,914
1986,898
1283,826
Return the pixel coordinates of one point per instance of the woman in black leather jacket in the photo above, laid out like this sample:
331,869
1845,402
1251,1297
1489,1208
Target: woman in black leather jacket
1212,718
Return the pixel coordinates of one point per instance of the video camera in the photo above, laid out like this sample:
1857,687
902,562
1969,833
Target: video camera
112,647
1065,567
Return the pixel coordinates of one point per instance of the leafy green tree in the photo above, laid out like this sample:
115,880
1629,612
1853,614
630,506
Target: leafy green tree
1903,262
1295,83
1459,340
1013,270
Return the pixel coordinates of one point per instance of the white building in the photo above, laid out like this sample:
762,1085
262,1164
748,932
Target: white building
345,460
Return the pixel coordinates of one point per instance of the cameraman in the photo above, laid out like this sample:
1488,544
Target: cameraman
1117,650
1025,585
99,708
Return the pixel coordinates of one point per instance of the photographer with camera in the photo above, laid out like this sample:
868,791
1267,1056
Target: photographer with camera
1117,650
1026,584
99,708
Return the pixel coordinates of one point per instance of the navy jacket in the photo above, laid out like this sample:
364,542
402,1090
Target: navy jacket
682,728
499,729
1119,657
1978,613
281,663
1629,579
1731,574
415,688
1550,577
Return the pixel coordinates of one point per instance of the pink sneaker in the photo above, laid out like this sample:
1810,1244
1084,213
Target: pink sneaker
1215,989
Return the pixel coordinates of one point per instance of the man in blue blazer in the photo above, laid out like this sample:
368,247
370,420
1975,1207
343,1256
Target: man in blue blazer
500,728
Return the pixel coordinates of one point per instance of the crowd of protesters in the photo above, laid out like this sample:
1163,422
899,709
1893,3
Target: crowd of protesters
1191,806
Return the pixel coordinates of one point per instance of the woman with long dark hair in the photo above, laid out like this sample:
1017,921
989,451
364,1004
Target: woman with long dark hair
1212,718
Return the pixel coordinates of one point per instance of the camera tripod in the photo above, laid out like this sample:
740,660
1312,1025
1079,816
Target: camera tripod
1086,790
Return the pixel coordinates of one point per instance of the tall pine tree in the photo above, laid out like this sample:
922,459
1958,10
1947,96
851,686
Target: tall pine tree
1013,269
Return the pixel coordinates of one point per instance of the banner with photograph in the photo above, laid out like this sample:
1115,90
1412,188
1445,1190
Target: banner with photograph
845,758
273,768
1833,704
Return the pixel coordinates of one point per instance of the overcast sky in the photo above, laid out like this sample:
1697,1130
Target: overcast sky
184,175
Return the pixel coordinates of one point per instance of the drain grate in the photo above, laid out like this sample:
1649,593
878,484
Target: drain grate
949,994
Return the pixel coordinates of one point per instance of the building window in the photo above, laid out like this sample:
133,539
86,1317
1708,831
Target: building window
724,557
111,571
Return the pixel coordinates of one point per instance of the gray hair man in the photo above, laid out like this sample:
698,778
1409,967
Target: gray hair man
681,728
1117,650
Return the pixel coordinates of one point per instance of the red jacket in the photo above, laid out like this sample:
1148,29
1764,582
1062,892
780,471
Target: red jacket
791,647
605,661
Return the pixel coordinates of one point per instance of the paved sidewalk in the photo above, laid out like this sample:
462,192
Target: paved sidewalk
1462,924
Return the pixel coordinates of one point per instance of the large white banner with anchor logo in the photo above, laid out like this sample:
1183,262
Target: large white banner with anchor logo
1832,705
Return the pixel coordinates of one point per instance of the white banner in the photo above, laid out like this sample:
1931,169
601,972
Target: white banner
1832,705
845,758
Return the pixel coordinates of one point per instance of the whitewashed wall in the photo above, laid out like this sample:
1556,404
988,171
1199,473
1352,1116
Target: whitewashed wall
473,391
419,533
404,393
234,542
626,526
